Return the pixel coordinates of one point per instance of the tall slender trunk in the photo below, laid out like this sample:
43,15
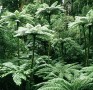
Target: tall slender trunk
49,19
85,42
89,37
92,41
32,63
45,47
61,2
18,42
78,9
49,48
21,4
62,49
49,3
80,37
33,52
72,7
49,44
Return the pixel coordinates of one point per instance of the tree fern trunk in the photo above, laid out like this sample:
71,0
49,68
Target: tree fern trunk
80,36
21,4
89,37
18,42
49,44
72,8
34,38
49,19
49,48
62,49
45,48
86,54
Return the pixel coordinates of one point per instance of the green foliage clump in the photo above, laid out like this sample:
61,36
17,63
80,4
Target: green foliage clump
19,73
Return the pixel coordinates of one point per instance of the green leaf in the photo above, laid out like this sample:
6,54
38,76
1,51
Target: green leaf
17,77
10,65
54,4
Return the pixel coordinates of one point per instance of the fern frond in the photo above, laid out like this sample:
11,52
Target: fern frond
56,84
18,73
52,9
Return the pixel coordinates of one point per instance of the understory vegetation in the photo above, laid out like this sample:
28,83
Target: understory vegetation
46,45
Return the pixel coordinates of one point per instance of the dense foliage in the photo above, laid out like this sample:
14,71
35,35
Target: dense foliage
46,45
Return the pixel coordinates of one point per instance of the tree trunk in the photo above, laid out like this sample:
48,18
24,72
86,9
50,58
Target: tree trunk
18,42
62,49
72,8
49,45
89,37
85,42
80,36
21,4
49,19
34,38
49,49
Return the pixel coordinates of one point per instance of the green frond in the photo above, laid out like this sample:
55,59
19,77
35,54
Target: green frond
52,9
56,84
68,71
88,71
18,73
17,77
54,4
79,83
50,88
90,15
20,32
78,21
43,70
17,16
9,65
43,59
40,31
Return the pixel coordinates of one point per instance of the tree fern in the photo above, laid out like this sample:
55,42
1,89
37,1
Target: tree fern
62,84
84,22
90,15
46,9
35,31
81,80
56,84
12,18
48,71
19,73
78,21
88,71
